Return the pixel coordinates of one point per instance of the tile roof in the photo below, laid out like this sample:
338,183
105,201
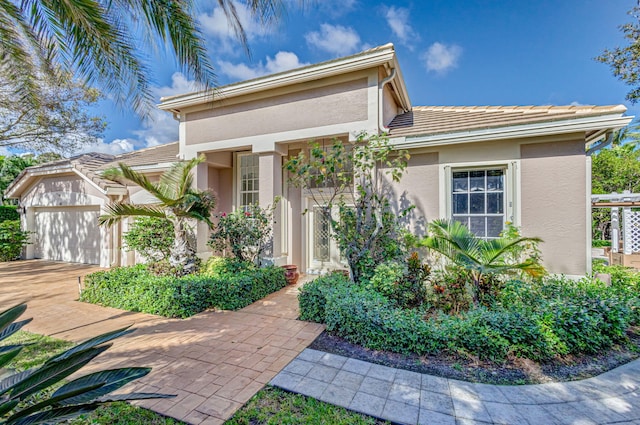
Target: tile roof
428,120
161,154
92,164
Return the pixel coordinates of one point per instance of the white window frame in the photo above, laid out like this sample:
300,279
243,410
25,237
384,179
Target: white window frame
237,202
512,192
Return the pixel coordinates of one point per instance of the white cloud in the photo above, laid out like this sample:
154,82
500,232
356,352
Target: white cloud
337,8
282,61
398,20
179,85
217,26
441,57
335,39
114,147
576,103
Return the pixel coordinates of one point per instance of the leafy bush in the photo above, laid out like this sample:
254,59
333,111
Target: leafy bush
151,237
452,292
12,240
536,320
245,233
313,299
9,213
136,289
599,243
404,284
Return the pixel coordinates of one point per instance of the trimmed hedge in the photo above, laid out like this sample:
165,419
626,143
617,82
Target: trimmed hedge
136,289
532,320
9,213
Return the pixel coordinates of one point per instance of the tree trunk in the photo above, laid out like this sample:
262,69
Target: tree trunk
183,256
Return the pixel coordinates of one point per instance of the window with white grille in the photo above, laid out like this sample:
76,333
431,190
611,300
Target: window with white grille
248,179
478,200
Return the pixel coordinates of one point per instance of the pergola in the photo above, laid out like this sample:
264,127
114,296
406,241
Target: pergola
625,224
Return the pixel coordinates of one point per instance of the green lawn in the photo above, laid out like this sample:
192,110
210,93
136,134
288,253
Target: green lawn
273,406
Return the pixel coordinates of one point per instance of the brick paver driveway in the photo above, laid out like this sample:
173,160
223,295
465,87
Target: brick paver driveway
214,361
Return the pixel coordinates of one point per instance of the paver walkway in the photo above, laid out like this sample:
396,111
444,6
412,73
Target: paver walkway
214,361
413,398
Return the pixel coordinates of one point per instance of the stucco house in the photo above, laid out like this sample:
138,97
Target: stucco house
486,165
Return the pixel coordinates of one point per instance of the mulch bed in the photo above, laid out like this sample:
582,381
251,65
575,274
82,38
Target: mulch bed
513,371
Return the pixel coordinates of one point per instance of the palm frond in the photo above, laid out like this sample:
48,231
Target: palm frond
178,180
172,22
124,173
118,211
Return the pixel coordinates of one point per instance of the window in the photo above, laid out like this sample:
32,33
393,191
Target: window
478,200
248,179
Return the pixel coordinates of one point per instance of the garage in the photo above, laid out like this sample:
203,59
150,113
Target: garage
67,234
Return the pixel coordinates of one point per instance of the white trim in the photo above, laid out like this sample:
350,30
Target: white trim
571,125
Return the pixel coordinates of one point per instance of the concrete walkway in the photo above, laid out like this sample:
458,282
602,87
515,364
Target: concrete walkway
413,398
214,361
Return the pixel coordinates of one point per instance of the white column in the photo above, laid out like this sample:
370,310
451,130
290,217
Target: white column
202,230
615,229
270,175
627,234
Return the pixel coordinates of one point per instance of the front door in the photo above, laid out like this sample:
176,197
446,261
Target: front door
324,254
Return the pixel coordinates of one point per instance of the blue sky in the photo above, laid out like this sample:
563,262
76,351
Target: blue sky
451,53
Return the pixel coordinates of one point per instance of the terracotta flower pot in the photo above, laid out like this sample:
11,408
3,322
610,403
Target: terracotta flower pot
291,273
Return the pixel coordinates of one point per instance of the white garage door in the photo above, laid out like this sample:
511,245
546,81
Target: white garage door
68,234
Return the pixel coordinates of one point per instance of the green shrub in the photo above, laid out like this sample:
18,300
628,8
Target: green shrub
12,240
232,292
137,289
221,266
312,297
598,243
245,233
536,320
151,237
9,213
404,284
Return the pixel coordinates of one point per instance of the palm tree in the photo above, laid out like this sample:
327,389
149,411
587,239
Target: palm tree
480,257
178,202
97,39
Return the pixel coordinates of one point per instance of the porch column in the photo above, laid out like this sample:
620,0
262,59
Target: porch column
270,175
201,229
615,229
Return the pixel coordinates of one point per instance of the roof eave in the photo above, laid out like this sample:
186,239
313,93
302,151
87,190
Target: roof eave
323,70
547,128
21,182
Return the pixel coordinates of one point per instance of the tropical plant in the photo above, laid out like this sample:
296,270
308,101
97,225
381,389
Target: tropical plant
20,401
482,259
91,38
178,202
246,233
356,180
151,237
